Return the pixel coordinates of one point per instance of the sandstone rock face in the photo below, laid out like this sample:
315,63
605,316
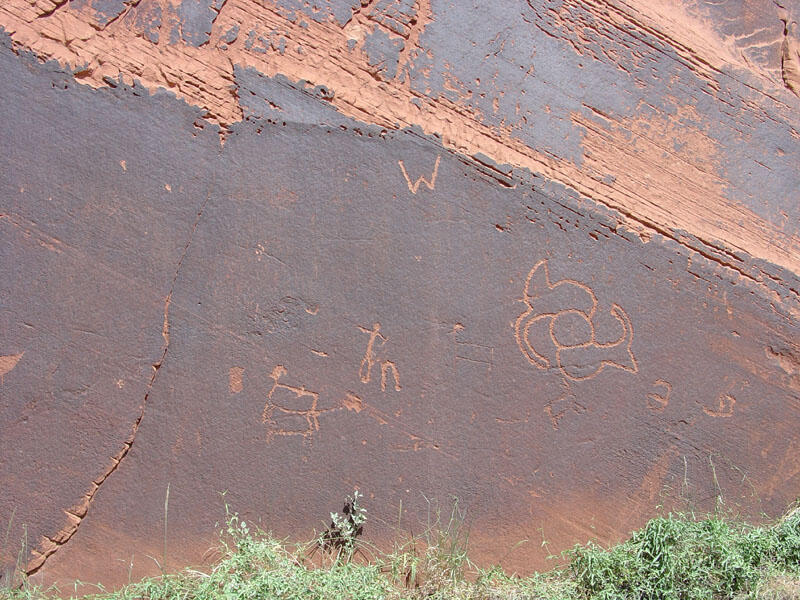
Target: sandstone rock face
541,256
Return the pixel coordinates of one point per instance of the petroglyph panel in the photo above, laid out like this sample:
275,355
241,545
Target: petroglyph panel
331,317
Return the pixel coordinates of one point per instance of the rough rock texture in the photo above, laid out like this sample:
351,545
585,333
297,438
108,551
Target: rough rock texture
568,293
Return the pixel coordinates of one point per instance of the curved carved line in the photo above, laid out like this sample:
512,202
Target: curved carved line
558,344
551,286
622,317
521,335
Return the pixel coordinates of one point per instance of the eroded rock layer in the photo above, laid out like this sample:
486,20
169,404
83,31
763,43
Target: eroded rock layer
568,294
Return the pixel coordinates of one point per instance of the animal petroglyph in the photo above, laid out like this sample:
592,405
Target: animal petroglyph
290,410
7,364
658,402
559,328
352,402
556,409
388,366
370,359
723,407
414,187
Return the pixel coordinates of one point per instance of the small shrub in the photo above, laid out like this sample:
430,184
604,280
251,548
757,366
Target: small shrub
341,535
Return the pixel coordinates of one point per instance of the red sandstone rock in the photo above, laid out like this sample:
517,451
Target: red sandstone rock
568,295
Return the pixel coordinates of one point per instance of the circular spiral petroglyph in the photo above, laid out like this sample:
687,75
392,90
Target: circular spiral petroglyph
558,329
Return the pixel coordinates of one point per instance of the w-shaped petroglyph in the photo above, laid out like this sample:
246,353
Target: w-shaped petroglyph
561,325
290,410
413,187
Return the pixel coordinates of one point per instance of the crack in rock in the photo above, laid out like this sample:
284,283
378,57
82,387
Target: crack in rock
77,513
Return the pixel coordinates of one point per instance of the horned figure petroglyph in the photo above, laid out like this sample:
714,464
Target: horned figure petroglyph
562,328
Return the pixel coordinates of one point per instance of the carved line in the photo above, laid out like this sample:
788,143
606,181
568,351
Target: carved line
622,317
524,322
659,401
533,357
311,414
369,360
369,356
460,343
235,381
413,187
489,363
627,331
385,367
483,348
353,402
543,264
574,405
724,408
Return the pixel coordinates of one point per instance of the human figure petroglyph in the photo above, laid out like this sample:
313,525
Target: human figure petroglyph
370,359
558,328
365,370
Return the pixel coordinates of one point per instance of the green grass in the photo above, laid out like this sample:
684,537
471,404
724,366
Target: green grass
674,557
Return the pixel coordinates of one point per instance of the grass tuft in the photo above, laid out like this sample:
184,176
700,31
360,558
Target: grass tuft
674,557
678,558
